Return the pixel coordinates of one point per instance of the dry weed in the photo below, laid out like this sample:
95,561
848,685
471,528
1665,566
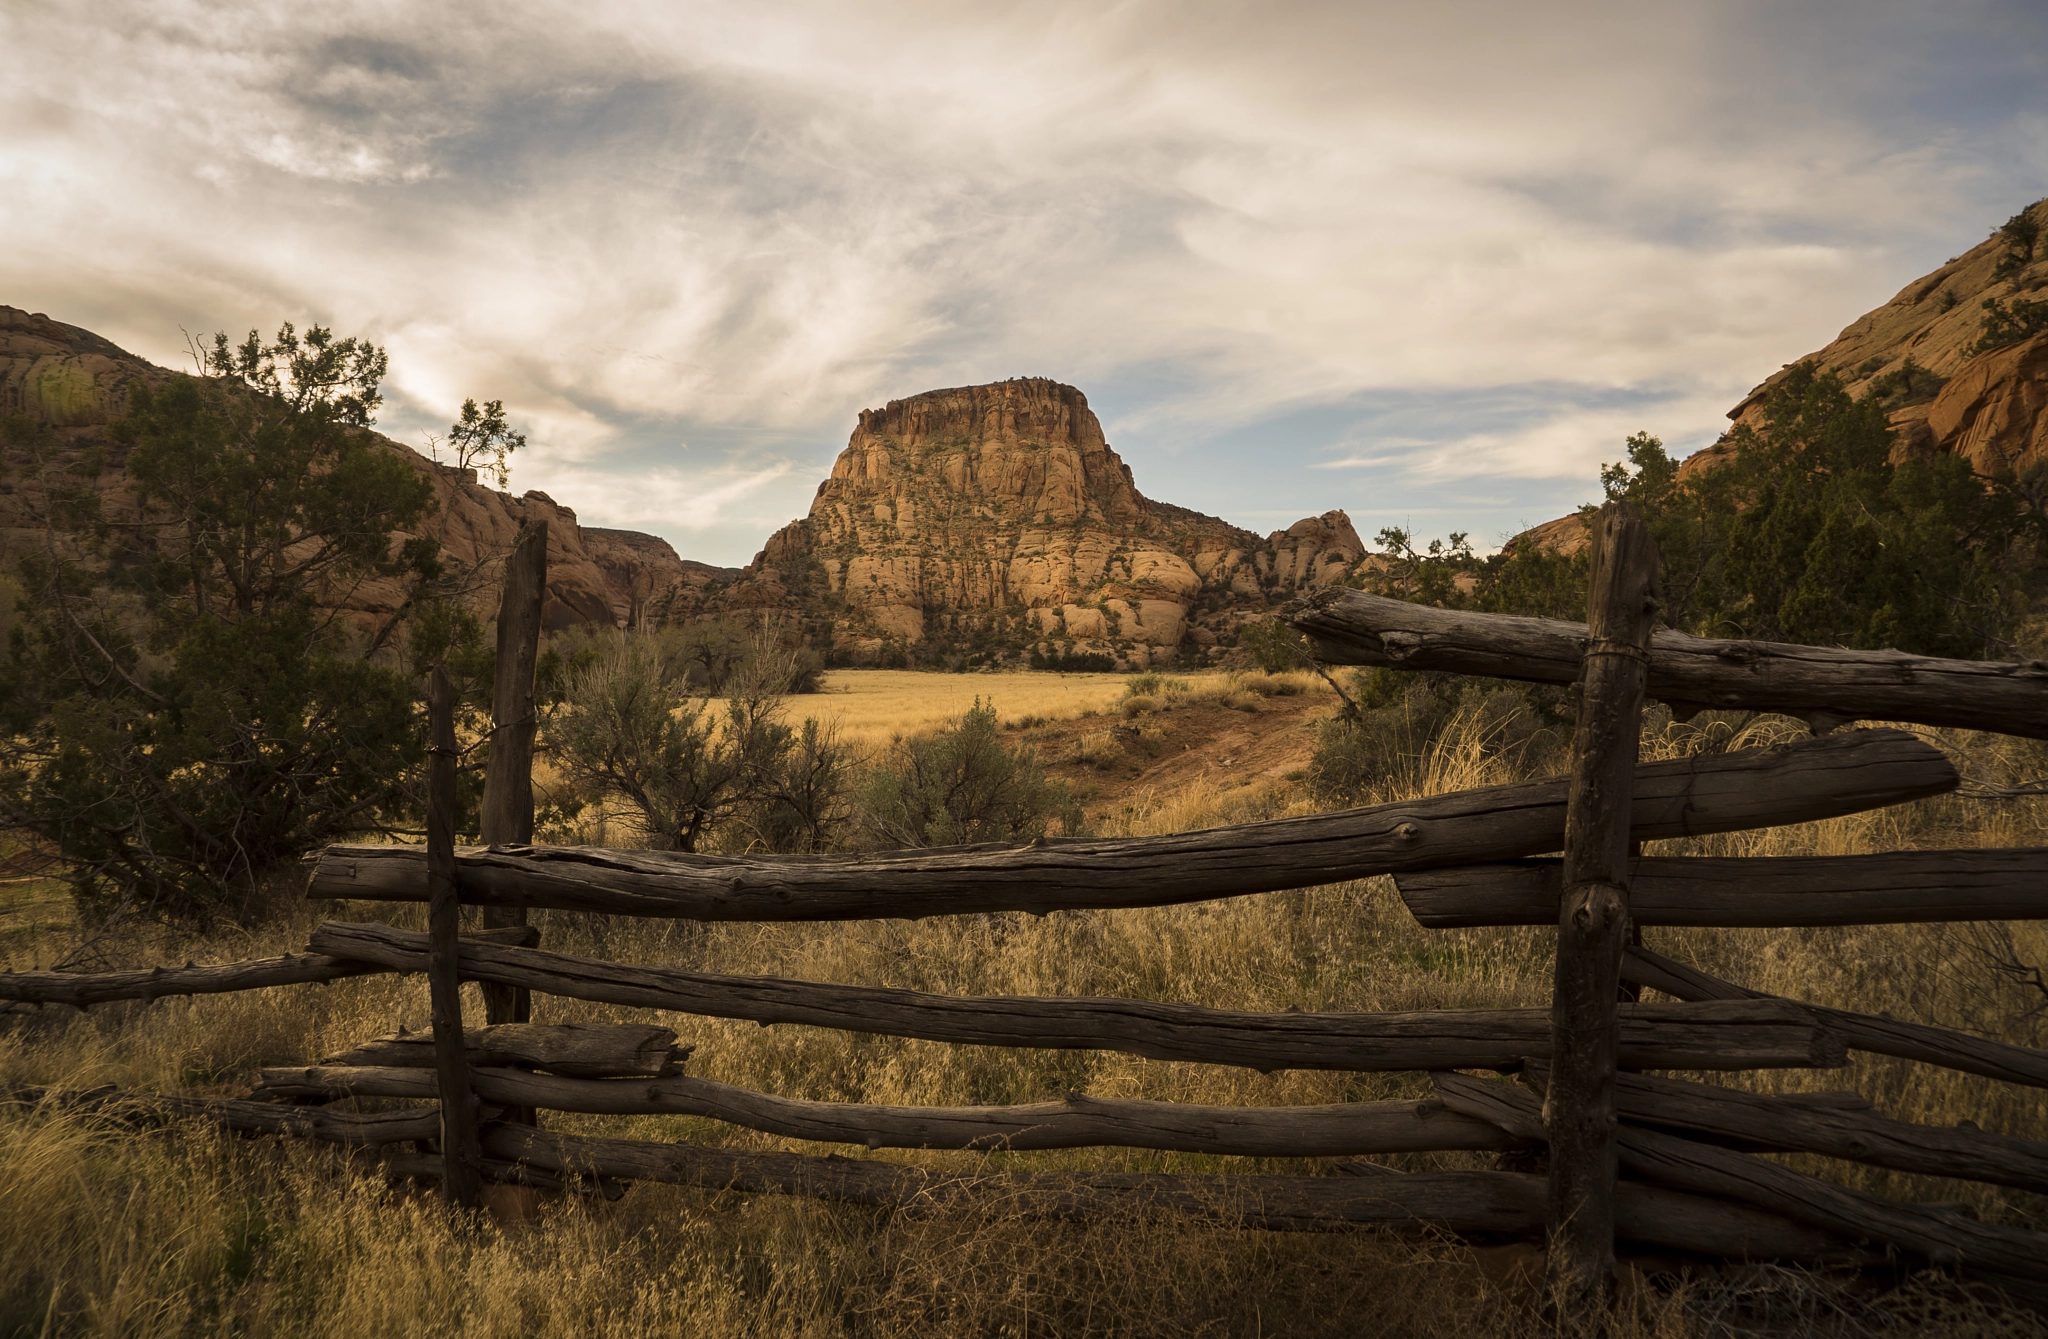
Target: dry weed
105,1231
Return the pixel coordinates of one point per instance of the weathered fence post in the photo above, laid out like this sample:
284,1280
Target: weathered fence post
461,1153
1593,922
508,784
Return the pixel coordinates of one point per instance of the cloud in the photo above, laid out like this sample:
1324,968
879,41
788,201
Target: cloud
754,220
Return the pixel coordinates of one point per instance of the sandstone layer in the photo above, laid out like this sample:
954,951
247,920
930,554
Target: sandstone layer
985,522
1990,407
80,383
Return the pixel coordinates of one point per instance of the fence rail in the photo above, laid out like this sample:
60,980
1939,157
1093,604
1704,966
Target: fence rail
1793,783
1687,1149
1768,891
1831,685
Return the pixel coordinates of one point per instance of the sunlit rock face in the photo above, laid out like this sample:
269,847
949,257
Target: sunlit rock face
1990,407
997,520
79,383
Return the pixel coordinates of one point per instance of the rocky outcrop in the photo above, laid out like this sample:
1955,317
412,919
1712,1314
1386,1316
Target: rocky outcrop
989,521
1935,322
80,383
1917,351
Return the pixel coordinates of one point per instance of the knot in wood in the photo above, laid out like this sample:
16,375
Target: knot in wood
1408,832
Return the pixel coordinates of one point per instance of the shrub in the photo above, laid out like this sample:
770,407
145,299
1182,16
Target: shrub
1424,733
1074,662
962,784
1154,685
2005,325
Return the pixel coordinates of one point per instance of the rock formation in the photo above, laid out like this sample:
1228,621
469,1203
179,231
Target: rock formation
79,383
985,522
1986,406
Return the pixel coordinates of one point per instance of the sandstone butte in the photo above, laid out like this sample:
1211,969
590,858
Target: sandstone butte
990,520
1989,407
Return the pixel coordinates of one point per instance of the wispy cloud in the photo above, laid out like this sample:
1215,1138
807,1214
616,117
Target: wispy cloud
759,218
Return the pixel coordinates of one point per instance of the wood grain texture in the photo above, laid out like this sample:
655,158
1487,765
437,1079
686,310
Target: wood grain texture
462,1179
506,811
578,1050
84,989
1770,891
1931,1233
1737,1035
1810,779
1861,1032
1503,1203
1338,1130
1759,1121
1829,683
1797,1123
1592,914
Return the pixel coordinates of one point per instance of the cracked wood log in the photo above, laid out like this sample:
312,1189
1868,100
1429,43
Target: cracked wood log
1767,891
85,989
1592,915
1763,1122
462,1179
82,990
506,813
1862,1032
1827,685
1338,1130
1504,1203
1740,1035
578,1050
1934,1233
1793,783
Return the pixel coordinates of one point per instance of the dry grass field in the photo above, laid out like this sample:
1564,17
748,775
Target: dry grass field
111,1231
871,707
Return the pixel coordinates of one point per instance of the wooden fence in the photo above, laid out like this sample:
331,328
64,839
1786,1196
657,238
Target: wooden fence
1630,1157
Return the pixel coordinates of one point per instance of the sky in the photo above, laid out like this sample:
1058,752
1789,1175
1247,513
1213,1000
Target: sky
1427,263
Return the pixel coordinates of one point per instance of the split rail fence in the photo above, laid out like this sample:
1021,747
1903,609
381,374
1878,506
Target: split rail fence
1630,1156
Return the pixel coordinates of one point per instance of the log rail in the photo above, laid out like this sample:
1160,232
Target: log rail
1830,685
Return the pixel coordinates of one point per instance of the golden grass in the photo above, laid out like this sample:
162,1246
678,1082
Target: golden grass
103,1231
873,707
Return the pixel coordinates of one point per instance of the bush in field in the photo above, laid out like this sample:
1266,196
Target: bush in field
962,784
692,771
1423,733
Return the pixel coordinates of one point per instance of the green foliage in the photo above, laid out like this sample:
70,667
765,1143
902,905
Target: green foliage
1907,384
1273,646
1068,662
1809,533
2006,324
1430,576
963,784
182,717
691,771
1415,732
481,440
1812,534
2022,235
